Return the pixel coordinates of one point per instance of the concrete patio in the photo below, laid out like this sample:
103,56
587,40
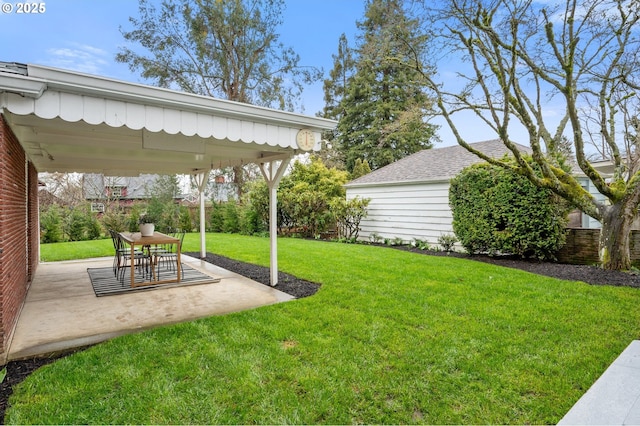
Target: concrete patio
62,312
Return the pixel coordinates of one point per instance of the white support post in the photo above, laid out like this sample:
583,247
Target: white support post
272,174
201,180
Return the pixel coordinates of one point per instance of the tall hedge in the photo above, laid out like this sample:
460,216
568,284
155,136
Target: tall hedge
498,211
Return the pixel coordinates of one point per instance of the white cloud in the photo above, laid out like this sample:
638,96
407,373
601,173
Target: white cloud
79,57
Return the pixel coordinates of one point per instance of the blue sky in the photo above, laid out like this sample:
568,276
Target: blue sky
84,35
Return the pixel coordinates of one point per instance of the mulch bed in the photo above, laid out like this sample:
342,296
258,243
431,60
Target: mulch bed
17,371
593,275
286,283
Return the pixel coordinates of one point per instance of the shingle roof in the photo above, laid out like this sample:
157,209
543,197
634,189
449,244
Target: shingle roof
433,164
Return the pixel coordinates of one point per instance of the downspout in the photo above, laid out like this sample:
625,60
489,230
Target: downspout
272,174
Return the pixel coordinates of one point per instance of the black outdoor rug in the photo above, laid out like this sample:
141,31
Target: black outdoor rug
105,283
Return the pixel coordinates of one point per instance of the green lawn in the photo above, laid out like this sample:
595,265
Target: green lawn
391,337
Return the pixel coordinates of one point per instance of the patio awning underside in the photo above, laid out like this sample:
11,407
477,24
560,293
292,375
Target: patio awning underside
71,122
55,145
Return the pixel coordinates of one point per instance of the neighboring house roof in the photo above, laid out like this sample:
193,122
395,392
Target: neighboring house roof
137,187
604,167
431,165
46,198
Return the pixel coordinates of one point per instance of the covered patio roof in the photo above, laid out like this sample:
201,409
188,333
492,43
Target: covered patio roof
72,122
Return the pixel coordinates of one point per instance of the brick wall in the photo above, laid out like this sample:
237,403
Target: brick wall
582,247
16,261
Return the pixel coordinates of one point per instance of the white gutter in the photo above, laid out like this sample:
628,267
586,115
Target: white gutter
78,83
23,86
398,182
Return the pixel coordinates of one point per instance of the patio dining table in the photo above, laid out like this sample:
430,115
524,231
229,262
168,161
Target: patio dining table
136,239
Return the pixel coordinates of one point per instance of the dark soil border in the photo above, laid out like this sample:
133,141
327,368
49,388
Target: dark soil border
286,283
589,274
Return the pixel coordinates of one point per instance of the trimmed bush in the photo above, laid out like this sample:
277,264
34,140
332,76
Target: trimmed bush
498,211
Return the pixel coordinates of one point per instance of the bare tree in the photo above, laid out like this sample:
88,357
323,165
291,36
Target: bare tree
66,187
521,55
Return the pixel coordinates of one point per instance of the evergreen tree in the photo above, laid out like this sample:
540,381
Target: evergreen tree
216,219
227,49
166,188
382,114
51,225
335,86
360,168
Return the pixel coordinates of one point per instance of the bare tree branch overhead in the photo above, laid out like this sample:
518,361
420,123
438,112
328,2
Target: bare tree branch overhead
523,56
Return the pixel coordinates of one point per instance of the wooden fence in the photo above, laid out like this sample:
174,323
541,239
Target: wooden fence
582,247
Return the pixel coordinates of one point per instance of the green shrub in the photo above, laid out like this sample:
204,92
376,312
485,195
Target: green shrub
257,204
78,223
250,221
308,209
375,238
160,214
304,199
420,244
347,215
395,241
231,224
172,218
75,224
185,223
306,195
133,224
115,219
216,218
498,211
93,227
447,242
51,225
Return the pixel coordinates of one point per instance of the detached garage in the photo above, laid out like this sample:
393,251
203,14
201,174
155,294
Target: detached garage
410,198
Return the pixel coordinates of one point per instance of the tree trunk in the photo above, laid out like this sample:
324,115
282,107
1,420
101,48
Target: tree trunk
614,237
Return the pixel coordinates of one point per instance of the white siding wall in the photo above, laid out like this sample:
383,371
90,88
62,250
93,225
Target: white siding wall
406,211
